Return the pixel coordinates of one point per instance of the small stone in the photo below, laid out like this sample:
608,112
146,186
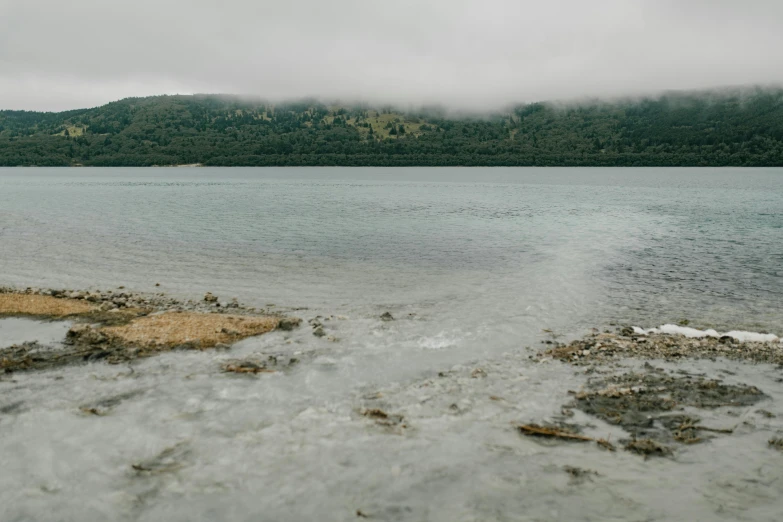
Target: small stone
319,331
209,298
85,334
386,316
289,323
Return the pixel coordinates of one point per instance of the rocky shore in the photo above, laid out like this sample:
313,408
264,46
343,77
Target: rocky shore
120,326
605,347
608,416
118,299
658,409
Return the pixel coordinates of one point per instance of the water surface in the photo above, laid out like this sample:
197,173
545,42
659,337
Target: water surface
473,263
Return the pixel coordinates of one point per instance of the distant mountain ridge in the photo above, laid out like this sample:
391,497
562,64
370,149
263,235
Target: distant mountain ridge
712,128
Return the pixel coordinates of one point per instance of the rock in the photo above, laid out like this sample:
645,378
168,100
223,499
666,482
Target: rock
289,323
105,307
209,298
386,316
84,333
319,331
626,331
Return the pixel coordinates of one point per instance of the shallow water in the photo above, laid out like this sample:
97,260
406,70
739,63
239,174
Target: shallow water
18,331
473,263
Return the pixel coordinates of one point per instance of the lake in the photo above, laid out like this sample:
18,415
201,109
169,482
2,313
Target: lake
473,264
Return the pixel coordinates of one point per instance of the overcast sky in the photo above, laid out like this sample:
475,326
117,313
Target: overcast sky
63,54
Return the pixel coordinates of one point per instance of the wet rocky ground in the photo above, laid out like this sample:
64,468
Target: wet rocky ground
659,409
606,347
593,429
120,326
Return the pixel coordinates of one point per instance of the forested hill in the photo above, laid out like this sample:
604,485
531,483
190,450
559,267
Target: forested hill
697,129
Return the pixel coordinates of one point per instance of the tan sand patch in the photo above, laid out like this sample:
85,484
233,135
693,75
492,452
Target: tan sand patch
202,330
42,305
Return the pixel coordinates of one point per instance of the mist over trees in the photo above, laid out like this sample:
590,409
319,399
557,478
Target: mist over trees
691,129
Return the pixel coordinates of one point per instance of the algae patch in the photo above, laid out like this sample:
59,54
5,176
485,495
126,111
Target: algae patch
119,327
170,330
14,304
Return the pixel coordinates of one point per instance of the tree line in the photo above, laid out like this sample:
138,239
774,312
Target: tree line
742,128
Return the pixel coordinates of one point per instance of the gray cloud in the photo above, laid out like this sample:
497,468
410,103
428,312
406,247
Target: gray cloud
474,54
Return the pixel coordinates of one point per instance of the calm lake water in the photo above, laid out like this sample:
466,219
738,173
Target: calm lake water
511,247
473,263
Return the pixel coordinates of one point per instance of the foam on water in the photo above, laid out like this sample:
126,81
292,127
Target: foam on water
693,333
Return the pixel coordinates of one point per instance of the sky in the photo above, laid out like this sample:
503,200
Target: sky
468,54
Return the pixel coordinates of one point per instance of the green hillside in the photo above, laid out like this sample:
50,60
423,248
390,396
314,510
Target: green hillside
742,128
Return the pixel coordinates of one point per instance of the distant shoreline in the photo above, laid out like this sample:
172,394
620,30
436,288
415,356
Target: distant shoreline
696,129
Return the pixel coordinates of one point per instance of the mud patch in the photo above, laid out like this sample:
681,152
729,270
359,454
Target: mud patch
651,407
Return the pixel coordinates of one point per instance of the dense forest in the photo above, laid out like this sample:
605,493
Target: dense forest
740,128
